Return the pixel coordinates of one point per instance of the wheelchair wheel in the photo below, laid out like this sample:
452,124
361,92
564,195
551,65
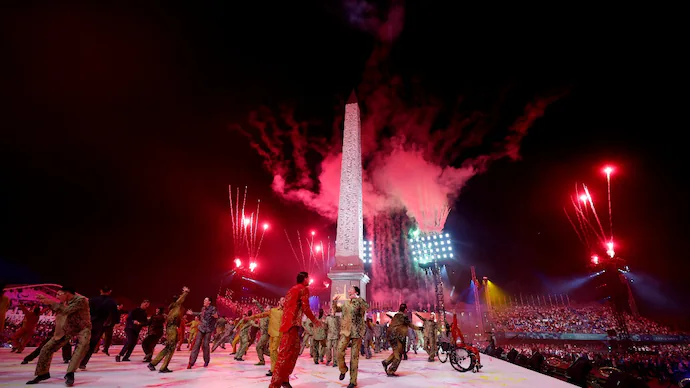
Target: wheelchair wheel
442,354
462,360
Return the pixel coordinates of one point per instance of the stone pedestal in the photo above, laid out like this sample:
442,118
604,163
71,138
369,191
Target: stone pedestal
342,280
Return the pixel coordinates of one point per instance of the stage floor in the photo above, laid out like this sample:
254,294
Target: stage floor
223,371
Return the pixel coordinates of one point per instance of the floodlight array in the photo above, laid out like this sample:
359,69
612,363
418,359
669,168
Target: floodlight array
437,246
367,251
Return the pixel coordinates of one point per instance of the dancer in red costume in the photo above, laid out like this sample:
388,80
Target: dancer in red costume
296,303
456,333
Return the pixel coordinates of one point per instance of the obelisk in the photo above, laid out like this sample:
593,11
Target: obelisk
349,244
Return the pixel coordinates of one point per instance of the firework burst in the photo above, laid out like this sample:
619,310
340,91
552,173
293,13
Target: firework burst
247,232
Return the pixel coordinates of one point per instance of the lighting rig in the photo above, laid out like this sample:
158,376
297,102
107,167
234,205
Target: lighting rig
240,270
430,252
612,270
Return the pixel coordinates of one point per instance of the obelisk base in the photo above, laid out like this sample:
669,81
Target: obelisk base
343,279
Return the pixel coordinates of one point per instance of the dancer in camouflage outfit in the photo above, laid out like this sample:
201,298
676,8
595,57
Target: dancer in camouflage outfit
73,319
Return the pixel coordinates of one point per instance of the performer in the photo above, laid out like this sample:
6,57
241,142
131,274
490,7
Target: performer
296,304
352,328
236,339
73,319
457,336
108,330
333,323
368,341
154,334
306,337
103,309
193,331
318,339
136,320
4,306
220,328
244,336
379,332
181,332
229,331
411,342
262,345
175,312
274,316
429,336
23,335
397,332
208,315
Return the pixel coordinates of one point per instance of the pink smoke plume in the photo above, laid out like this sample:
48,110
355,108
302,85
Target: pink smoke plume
423,188
410,162
410,170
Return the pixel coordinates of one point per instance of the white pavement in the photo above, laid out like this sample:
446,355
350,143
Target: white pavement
104,372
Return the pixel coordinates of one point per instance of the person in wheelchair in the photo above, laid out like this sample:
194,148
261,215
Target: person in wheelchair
444,339
459,340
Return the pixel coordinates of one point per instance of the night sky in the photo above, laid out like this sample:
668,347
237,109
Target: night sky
116,146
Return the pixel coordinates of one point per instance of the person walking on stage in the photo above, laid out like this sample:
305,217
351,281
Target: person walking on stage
72,319
275,317
103,310
175,312
429,335
296,304
136,320
333,333
352,328
154,334
108,328
318,339
208,316
397,332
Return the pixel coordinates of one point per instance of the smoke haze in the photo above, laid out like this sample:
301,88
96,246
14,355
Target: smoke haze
418,150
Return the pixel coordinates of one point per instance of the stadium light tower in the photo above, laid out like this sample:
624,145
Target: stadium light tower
430,251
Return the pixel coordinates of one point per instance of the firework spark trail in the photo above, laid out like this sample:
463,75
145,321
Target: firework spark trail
312,256
237,214
320,251
304,262
246,234
328,254
255,227
232,219
574,227
261,240
581,220
591,227
293,248
608,187
594,210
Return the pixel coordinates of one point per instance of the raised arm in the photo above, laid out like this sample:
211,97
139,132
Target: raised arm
421,317
389,316
258,305
180,300
264,314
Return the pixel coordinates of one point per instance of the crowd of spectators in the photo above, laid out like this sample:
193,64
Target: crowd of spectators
662,363
589,319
